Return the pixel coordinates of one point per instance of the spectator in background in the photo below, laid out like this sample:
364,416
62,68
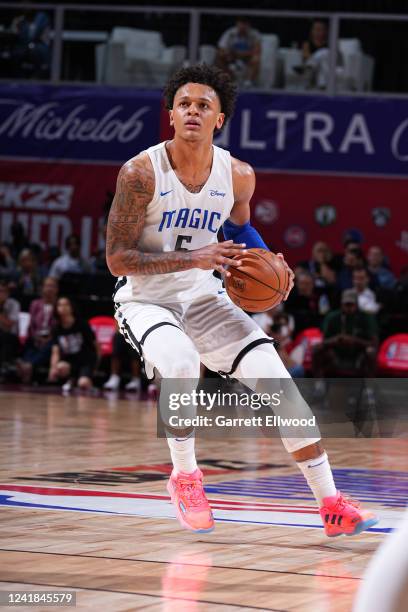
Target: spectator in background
74,348
32,52
350,341
239,52
7,264
318,39
353,258
27,279
9,313
37,349
122,352
315,55
367,301
382,275
306,304
71,261
320,265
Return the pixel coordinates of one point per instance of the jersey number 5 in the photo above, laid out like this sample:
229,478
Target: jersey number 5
180,240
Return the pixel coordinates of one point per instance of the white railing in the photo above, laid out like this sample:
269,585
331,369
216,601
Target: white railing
194,15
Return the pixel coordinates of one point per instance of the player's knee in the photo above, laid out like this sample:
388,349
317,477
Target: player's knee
179,362
186,365
176,357
262,362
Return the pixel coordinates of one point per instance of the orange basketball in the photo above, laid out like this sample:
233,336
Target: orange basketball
260,283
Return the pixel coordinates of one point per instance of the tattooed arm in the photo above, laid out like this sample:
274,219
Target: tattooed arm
134,191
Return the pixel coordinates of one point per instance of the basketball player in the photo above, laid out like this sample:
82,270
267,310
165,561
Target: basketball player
170,202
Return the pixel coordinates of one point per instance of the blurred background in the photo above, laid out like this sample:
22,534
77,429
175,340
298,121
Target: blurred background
322,115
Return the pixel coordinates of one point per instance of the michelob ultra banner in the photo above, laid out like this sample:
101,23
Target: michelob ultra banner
324,165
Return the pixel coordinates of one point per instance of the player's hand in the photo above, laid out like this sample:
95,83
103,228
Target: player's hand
217,256
291,276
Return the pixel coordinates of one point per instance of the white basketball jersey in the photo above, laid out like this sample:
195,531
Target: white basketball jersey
177,219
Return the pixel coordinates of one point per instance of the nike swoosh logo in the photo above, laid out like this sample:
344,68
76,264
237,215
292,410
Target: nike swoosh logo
163,193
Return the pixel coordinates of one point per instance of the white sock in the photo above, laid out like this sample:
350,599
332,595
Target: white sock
319,477
182,454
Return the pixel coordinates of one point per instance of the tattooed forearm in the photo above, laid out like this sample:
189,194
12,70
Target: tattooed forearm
156,263
134,191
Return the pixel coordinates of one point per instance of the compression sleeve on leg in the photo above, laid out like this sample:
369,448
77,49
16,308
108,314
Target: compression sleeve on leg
243,233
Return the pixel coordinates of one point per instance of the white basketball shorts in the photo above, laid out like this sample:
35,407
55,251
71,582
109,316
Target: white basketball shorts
218,329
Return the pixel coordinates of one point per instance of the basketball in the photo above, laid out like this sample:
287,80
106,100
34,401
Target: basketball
260,283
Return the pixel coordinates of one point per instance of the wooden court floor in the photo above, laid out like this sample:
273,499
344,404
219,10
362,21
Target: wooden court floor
84,508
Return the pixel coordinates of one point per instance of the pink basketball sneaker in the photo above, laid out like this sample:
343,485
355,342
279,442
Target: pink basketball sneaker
341,515
192,508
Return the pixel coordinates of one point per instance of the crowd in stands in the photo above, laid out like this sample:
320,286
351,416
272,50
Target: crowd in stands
340,310
342,307
26,51
239,53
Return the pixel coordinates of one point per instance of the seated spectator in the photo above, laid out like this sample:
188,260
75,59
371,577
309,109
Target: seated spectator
122,351
306,304
9,313
349,244
353,258
317,39
382,275
239,52
74,348
350,341
71,261
27,279
367,301
7,263
37,349
315,55
320,265
31,55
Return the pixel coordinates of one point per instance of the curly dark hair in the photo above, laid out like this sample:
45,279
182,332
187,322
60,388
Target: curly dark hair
219,80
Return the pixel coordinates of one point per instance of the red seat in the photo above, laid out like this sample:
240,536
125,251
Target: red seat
104,329
307,340
392,358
